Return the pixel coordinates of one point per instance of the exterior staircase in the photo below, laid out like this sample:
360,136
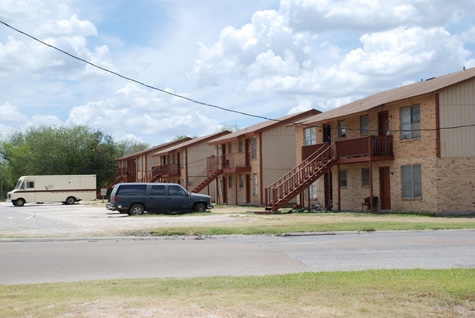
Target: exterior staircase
294,182
209,174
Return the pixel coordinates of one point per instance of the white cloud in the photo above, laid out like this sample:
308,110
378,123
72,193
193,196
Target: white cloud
148,113
266,58
10,113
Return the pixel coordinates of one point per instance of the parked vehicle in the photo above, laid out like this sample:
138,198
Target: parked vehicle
136,198
54,188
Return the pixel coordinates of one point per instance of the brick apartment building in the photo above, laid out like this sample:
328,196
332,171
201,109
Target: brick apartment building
408,149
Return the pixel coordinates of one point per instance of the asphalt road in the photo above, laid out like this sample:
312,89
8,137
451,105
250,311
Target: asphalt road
76,259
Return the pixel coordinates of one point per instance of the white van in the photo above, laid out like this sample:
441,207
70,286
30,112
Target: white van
55,188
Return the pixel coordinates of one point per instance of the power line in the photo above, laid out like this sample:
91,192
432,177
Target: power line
141,83
196,101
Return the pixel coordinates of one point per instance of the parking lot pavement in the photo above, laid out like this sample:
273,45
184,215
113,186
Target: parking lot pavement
83,219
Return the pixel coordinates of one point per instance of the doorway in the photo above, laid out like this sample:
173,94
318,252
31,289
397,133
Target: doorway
384,188
327,133
383,123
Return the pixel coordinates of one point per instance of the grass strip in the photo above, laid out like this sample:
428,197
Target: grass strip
381,293
251,224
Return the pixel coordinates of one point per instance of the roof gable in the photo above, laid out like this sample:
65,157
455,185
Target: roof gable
190,143
400,93
259,127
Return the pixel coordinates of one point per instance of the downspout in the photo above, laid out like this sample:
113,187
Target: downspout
339,188
186,169
146,168
437,125
370,141
236,184
261,169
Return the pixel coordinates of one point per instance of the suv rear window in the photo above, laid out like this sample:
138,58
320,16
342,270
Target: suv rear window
132,189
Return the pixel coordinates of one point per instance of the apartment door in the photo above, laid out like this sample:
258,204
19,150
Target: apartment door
384,188
224,185
247,149
327,133
383,123
248,188
328,188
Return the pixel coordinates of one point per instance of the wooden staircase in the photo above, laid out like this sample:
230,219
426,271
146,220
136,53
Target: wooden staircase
152,176
119,179
207,181
212,171
298,179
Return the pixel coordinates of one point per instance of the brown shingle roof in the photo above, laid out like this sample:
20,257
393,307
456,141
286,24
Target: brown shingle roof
400,93
190,143
251,130
154,148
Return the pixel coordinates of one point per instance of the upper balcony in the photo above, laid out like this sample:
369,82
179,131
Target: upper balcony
370,148
235,162
168,170
229,163
127,176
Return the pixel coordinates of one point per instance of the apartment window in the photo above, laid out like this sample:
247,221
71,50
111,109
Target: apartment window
365,177
230,181
241,146
254,148
313,190
341,129
411,122
230,147
364,125
310,136
241,181
343,179
254,184
411,181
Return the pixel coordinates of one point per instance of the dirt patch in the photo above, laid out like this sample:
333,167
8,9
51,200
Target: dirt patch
93,219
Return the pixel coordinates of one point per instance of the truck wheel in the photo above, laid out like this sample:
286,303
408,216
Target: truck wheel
70,200
200,207
136,209
19,202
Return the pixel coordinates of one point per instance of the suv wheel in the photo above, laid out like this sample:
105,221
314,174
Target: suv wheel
200,207
136,209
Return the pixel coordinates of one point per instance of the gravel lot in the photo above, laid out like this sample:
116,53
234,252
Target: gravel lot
92,219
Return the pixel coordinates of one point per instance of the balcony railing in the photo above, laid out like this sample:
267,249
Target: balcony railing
172,169
234,160
371,146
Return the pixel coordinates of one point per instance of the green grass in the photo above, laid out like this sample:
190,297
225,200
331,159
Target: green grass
381,293
279,224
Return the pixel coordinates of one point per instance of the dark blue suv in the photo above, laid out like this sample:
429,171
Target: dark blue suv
136,198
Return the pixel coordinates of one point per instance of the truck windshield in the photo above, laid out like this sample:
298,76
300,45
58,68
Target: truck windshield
19,185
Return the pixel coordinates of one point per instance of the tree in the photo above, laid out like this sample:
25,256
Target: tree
127,148
180,137
59,150
229,127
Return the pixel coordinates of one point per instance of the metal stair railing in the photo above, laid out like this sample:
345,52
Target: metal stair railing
291,184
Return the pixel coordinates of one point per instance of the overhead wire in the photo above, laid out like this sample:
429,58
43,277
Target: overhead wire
197,101
141,83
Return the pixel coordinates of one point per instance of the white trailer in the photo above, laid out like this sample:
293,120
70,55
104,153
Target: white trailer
56,188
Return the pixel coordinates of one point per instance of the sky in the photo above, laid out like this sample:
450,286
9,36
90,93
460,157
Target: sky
234,62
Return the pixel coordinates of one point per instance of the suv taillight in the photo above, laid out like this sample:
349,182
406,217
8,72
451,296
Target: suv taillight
115,199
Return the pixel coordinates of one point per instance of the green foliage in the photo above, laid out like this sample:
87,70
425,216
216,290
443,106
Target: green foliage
229,127
59,150
126,148
180,137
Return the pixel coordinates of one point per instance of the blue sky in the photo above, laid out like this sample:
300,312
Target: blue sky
267,58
